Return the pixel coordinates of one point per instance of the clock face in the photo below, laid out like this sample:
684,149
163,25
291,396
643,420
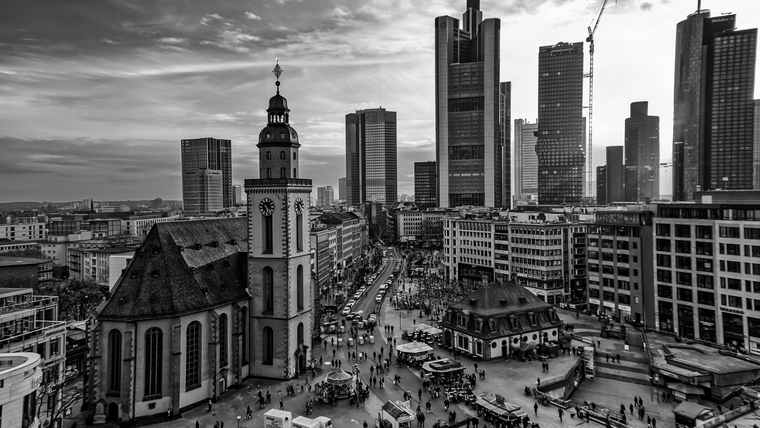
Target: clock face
266,206
299,205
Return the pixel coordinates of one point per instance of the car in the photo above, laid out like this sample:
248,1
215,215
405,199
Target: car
70,373
357,295
383,287
378,298
351,316
346,311
372,318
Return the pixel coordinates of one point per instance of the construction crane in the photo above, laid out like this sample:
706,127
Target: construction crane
590,40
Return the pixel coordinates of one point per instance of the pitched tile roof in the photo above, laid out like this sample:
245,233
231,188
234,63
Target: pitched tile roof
182,267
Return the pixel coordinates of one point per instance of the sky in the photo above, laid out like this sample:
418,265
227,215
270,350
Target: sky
96,96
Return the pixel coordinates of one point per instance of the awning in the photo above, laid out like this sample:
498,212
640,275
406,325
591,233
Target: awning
414,348
686,389
488,406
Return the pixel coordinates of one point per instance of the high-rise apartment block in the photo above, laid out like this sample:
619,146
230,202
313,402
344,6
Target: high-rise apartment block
424,184
713,123
371,157
342,194
642,155
237,195
471,107
525,165
561,126
615,174
325,196
206,175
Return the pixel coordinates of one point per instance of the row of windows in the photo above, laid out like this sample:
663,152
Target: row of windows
283,155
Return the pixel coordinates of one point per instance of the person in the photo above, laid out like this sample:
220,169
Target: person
197,424
365,424
209,406
280,403
560,413
535,408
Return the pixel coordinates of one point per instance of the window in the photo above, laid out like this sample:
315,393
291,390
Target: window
704,265
29,409
268,282
728,232
663,230
734,301
283,155
269,155
665,291
114,361
729,266
751,233
752,250
706,298
683,262
294,173
267,348
299,232
663,245
223,339
294,155
244,332
663,260
703,232
704,248
269,172
193,356
268,234
683,278
731,283
730,249
664,275
683,231
683,247
282,173
154,347
299,287
684,294
705,281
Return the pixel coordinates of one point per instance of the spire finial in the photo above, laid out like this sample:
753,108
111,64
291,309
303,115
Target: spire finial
277,73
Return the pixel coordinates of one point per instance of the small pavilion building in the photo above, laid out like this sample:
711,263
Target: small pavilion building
499,319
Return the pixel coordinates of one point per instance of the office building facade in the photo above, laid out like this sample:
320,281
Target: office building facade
615,174
325,196
424,184
525,161
371,157
561,126
470,110
342,188
713,121
601,185
206,175
642,155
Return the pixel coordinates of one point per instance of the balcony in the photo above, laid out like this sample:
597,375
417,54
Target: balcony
13,341
36,302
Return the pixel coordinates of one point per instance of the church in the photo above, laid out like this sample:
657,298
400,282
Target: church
206,304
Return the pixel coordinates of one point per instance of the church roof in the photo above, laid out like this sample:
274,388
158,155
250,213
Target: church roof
182,267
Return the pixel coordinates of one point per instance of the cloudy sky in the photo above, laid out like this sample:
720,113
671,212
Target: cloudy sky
96,95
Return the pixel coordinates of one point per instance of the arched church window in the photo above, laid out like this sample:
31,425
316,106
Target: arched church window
283,155
267,346
244,331
114,361
193,356
269,172
282,173
269,155
294,155
294,173
223,339
268,281
299,287
154,350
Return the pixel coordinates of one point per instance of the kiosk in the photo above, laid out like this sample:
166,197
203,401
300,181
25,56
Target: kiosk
444,371
413,353
396,414
274,418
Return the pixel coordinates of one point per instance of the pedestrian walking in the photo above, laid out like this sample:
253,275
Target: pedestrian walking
209,406
560,413
630,407
280,403
608,358
535,408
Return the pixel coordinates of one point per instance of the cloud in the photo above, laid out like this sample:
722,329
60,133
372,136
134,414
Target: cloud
172,40
251,15
646,6
209,17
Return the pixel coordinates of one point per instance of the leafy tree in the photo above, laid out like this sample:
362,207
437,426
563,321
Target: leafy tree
77,299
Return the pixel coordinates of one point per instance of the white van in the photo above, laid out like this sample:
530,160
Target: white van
383,287
324,421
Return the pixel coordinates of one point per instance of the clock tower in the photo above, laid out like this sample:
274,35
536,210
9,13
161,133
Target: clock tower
279,256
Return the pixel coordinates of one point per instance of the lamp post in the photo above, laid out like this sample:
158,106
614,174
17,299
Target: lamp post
238,419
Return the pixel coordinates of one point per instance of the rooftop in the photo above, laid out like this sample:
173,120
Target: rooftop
6,261
500,298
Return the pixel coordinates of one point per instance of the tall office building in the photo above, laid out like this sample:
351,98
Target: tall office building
237,195
204,161
561,126
424,184
325,196
342,188
470,108
713,116
371,157
525,165
615,174
642,154
601,185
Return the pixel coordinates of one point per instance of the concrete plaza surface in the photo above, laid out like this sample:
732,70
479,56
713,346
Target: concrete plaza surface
507,378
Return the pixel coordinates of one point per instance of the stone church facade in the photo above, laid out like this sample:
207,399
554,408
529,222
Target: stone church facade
206,304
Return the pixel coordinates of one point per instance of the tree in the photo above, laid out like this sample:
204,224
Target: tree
53,384
77,299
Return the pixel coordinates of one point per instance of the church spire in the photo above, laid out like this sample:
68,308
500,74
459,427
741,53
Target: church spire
277,73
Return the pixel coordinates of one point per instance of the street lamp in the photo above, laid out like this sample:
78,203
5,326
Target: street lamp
238,418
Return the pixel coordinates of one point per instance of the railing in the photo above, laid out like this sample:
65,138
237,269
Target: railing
39,330
36,302
714,422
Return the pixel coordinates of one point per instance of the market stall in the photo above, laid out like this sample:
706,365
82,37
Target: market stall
396,414
444,371
413,353
495,408
338,383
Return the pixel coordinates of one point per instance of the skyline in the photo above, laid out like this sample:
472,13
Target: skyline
96,98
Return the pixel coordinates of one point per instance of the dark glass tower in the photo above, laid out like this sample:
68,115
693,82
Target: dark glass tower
424,184
615,174
561,126
525,161
469,111
601,185
642,154
713,107
371,157
202,157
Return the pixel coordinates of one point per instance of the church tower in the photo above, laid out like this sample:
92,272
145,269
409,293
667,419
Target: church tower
279,270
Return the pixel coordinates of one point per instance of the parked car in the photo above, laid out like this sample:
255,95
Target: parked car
70,373
346,311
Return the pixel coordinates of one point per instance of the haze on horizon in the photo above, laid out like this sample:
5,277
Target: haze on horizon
96,96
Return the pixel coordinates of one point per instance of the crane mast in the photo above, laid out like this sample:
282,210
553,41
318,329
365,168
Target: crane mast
589,155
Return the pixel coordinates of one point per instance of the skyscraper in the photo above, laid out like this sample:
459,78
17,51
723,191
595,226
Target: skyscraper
615,174
470,108
642,154
504,149
561,126
424,184
601,185
204,161
525,160
237,195
371,157
325,196
713,116
342,188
